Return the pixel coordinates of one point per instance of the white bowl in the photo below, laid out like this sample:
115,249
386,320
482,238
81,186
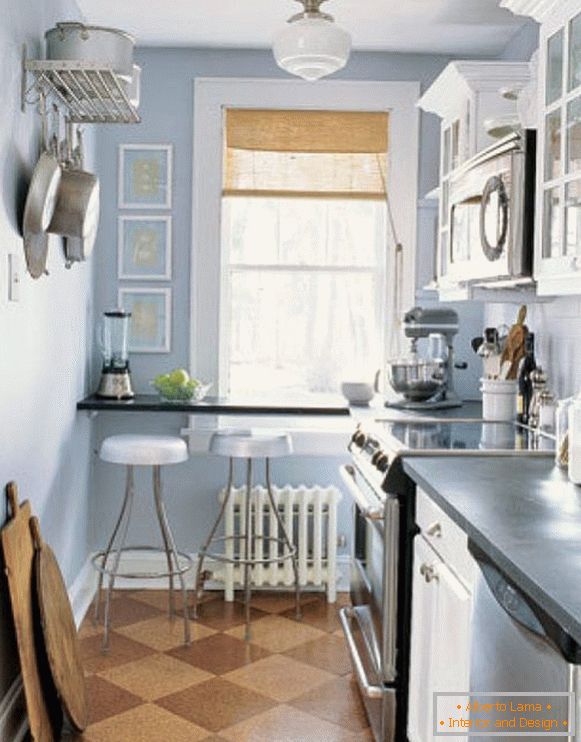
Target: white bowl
357,392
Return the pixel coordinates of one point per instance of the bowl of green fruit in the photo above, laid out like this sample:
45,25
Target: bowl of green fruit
177,386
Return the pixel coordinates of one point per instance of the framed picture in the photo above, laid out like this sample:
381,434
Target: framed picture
145,176
144,248
150,323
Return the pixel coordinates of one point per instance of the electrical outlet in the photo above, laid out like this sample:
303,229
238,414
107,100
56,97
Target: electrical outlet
341,541
15,271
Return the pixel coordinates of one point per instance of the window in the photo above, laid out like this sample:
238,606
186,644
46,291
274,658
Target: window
210,266
303,249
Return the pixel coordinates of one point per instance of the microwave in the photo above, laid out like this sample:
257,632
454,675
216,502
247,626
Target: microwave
491,214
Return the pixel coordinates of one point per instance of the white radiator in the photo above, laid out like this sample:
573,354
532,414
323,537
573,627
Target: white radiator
310,518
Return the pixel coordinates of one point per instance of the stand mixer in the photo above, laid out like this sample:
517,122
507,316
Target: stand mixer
427,384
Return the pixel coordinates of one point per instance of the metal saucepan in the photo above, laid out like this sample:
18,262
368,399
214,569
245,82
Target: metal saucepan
107,47
77,209
415,378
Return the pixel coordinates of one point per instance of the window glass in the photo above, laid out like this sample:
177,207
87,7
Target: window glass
575,53
574,136
304,294
573,218
553,233
553,145
554,82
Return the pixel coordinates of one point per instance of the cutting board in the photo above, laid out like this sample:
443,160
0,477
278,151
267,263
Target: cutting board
42,706
59,632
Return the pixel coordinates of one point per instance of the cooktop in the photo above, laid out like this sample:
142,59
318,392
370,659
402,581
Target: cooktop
458,436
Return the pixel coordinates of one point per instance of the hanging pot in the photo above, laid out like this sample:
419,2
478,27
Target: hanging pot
107,47
77,209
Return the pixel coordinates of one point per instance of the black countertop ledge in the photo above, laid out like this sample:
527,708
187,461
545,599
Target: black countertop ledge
524,514
218,406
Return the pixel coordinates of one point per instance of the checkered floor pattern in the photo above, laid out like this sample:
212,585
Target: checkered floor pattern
291,683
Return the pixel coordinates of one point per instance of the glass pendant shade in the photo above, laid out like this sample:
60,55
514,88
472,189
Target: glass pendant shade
312,46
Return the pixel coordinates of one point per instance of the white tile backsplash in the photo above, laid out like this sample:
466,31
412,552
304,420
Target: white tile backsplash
557,327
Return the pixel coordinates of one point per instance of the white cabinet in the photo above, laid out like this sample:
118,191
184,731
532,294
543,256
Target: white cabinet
464,96
557,267
558,242
441,614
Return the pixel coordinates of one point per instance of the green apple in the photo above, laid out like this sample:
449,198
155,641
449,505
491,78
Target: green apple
179,376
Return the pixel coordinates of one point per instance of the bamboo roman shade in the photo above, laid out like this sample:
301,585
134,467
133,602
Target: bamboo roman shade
305,153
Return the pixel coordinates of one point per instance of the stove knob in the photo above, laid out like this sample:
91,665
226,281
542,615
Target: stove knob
382,463
359,438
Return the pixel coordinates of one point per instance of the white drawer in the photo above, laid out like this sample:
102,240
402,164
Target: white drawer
445,537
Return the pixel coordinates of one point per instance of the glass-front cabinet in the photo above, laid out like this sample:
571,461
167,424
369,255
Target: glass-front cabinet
558,240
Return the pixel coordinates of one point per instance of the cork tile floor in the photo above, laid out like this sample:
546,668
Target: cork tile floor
290,683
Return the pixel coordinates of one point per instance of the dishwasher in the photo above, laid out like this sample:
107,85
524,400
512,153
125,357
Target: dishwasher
517,648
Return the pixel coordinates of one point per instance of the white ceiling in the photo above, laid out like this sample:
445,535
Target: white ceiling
462,27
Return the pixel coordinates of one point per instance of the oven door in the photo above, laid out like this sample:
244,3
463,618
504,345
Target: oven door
370,625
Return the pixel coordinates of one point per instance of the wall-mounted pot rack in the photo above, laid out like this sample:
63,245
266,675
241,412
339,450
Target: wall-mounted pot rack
90,93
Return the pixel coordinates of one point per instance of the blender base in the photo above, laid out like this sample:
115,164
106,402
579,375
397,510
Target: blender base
115,386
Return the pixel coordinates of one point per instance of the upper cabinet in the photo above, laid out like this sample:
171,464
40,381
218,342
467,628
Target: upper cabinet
558,199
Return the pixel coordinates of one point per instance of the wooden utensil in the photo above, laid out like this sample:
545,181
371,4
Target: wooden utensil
59,632
514,350
43,708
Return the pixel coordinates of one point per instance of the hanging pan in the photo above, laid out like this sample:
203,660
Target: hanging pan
40,203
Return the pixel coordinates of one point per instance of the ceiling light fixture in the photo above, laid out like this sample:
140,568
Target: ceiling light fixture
312,45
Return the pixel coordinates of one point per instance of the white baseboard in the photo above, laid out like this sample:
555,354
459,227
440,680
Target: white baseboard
82,591
137,562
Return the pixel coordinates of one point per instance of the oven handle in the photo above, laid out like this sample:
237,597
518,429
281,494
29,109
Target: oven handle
367,688
368,511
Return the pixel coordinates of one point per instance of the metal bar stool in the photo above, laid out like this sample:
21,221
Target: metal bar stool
249,445
142,450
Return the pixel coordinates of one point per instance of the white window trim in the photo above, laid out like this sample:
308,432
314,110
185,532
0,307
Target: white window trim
211,97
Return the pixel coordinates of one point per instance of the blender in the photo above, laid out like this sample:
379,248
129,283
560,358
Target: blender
112,336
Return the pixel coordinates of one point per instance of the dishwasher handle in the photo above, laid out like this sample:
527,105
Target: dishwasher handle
523,609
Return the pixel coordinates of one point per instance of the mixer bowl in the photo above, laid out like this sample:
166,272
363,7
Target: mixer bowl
417,380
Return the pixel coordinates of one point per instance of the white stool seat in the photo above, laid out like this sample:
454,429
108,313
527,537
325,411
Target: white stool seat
144,450
251,444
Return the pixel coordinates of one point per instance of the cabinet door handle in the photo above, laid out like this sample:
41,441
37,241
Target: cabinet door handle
435,530
428,572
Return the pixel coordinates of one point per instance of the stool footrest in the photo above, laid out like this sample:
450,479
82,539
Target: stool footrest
104,569
253,561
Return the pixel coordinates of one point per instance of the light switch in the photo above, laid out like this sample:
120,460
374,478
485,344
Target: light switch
15,269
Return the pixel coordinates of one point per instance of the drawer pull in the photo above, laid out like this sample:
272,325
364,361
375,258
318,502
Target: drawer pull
428,572
434,530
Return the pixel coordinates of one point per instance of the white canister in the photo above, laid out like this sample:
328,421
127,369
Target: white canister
498,399
575,441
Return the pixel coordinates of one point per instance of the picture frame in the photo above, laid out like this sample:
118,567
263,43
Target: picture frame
144,247
145,173
150,322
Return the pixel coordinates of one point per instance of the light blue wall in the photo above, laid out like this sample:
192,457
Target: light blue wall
44,444
166,109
